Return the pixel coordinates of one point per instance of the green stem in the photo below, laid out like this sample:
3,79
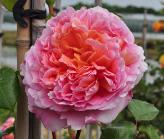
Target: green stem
78,134
1,134
53,135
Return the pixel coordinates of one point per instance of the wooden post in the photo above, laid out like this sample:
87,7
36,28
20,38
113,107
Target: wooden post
38,25
98,2
145,32
22,118
1,23
37,28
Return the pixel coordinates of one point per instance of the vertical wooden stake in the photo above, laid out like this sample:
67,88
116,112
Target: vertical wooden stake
22,118
37,28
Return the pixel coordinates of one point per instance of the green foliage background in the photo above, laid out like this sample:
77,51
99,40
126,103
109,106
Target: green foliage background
118,9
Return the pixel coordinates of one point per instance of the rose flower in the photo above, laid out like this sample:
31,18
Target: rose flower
82,69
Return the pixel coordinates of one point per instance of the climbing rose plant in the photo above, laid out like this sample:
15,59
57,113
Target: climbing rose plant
82,69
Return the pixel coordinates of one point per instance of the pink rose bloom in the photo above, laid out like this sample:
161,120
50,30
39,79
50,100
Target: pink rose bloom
82,69
9,123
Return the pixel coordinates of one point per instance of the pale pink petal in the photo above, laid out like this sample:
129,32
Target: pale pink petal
50,119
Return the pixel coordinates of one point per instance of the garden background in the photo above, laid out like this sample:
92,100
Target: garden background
142,21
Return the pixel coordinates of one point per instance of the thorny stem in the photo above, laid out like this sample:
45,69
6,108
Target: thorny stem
78,134
53,135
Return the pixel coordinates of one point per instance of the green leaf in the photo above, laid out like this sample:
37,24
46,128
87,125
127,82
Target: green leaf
7,132
124,130
50,2
8,4
142,111
150,131
9,88
10,130
1,133
4,114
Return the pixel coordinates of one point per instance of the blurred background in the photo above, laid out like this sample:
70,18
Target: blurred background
145,18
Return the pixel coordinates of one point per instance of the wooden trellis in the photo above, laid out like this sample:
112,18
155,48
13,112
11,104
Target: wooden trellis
27,126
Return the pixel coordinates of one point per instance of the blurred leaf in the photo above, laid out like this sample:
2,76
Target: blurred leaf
50,2
124,130
1,133
8,4
9,88
4,114
150,131
10,130
119,118
143,111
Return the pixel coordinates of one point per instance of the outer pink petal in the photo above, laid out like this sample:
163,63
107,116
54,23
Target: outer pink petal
108,116
75,119
50,119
